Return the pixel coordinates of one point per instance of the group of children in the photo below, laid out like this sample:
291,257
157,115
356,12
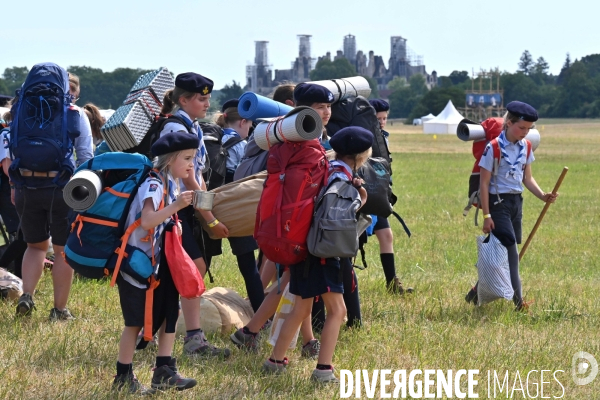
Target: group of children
326,288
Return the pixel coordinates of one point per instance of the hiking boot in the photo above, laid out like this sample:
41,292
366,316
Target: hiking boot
395,286
129,383
245,341
324,376
25,305
270,367
167,377
198,346
60,315
471,297
311,349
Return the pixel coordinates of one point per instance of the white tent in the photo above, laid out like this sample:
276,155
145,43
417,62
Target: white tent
428,117
446,122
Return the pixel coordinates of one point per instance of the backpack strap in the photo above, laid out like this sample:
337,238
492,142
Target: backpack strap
399,218
232,142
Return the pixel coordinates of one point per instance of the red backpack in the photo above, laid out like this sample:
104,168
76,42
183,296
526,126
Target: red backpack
296,173
493,129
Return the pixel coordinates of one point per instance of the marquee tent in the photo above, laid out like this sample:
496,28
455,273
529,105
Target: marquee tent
446,122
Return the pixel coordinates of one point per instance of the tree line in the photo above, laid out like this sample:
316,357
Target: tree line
573,93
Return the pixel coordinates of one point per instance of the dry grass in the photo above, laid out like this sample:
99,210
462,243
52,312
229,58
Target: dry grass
434,328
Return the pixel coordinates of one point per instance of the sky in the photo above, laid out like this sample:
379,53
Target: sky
216,38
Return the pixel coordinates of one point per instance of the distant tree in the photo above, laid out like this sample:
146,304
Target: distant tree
402,101
232,91
436,99
417,84
458,77
567,63
526,62
397,83
563,70
326,69
541,66
4,88
521,87
14,78
444,81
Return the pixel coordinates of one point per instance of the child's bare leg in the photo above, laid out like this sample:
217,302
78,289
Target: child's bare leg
127,344
268,306
336,310
292,322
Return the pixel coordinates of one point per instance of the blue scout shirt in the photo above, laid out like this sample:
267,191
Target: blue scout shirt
236,153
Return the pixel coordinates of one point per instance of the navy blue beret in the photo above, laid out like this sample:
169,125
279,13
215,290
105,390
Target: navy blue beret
522,110
175,141
351,140
195,83
229,103
380,105
309,93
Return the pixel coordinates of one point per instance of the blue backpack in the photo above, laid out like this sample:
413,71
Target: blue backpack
44,127
97,245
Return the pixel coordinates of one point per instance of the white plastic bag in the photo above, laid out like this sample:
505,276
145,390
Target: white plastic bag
283,310
494,273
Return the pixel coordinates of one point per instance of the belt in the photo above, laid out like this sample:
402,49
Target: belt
38,174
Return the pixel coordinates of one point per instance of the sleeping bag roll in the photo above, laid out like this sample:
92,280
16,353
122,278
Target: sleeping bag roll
468,130
253,106
346,87
82,191
302,123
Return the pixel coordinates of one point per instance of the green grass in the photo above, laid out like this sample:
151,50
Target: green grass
434,328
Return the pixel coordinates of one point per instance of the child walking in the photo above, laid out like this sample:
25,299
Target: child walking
318,277
175,160
502,200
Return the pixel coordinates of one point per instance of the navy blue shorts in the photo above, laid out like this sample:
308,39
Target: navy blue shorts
188,240
242,245
382,223
43,213
314,279
507,217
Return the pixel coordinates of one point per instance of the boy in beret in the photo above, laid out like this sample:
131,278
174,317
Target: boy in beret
323,277
502,200
175,161
382,229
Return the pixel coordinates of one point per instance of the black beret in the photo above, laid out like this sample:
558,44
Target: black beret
522,110
175,141
380,105
351,140
229,103
309,93
195,83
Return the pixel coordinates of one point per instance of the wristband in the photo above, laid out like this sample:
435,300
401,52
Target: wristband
486,216
214,223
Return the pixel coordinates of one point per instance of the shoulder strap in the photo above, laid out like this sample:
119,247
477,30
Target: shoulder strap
232,142
529,149
178,119
395,214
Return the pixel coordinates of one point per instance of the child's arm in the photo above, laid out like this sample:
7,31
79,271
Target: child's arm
531,184
220,230
152,218
484,197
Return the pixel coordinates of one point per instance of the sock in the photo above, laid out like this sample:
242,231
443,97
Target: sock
324,367
276,361
124,369
247,331
193,332
389,266
160,361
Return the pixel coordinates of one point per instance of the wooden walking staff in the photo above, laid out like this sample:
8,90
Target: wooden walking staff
541,217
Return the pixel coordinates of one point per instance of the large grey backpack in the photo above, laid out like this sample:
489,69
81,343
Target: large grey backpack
333,232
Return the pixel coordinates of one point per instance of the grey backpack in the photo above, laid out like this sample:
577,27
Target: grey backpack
333,232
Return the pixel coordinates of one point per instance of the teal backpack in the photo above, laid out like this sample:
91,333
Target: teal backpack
97,245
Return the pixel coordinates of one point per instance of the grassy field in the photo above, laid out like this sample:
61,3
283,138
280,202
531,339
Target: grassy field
431,329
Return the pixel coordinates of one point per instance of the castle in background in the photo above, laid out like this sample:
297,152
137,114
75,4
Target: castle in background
402,63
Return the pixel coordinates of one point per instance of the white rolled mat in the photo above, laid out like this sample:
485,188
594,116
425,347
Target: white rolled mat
82,191
346,87
302,123
475,132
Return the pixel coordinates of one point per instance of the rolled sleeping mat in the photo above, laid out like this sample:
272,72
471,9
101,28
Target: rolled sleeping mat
346,87
82,191
469,130
302,123
253,106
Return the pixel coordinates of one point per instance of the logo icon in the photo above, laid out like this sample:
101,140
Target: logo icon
585,368
205,90
44,72
330,96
